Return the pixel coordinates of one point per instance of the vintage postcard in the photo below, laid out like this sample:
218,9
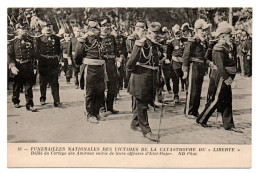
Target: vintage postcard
145,87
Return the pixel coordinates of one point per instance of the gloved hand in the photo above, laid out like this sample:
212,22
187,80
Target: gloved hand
185,75
14,70
69,62
167,61
61,63
228,81
34,71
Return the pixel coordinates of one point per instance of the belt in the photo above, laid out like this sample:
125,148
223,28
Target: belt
109,56
48,56
177,59
231,70
65,55
93,61
147,66
193,59
21,61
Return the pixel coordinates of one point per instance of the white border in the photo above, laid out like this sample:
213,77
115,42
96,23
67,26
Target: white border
129,3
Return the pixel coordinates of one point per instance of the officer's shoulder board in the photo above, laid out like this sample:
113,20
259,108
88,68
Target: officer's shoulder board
131,37
11,41
219,46
190,39
140,42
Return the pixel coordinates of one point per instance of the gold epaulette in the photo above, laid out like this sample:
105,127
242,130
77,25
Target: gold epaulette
140,42
131,37
191,39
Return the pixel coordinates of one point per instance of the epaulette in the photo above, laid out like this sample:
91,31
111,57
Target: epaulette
81,39
219,46
131,37
62,40
169,41
140,42
36,36
191,39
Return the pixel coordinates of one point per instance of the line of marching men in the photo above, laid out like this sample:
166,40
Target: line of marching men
101,57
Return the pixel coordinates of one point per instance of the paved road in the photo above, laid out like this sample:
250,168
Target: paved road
68,124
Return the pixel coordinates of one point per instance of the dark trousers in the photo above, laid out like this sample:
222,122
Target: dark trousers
76,70
67,70
111,93
248,66
194,83
140,117
219,97
93,100
168,75
121,76
176,77
19,82
52,79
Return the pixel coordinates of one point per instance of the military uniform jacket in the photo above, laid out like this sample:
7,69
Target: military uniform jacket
224,60
194,50
90,49
21,54
109,53
143,81
64,46
71,47
48,53
175,49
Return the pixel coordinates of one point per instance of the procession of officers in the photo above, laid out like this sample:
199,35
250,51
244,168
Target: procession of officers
102,60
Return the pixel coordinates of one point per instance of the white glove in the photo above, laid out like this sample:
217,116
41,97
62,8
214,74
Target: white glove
185,75
62,63
14,70
248,57
34,71
167,61
69,62
228,81
118,64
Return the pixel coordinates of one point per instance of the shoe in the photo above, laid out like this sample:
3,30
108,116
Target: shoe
151,137
92,119
77,87
203,124
17,106
100,118
58,104
31,108
170,92
182,89
176,98
113,111
234,130
136,128
191,116
43,103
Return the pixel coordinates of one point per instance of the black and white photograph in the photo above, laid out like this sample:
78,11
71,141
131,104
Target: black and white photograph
109,86
129,75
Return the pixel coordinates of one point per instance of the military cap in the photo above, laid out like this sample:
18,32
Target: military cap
224,28
155,26
201,24
185,27
93,21
140,24
175,28
105,20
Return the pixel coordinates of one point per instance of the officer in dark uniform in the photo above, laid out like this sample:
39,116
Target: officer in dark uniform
175,49
49,53
222,76
66,58
71,52
143,64
121,44
93,75
110,52
193,67
22,63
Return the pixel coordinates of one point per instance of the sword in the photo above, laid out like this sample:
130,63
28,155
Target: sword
161,117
